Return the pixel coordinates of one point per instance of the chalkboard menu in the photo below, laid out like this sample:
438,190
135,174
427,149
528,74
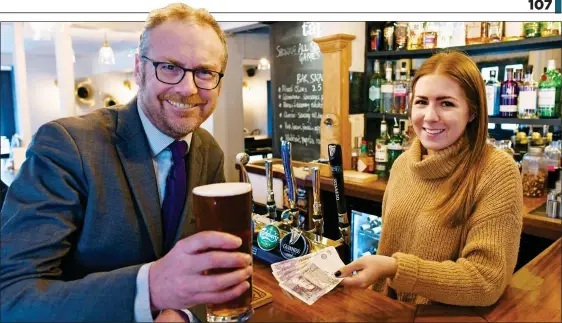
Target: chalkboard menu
296,84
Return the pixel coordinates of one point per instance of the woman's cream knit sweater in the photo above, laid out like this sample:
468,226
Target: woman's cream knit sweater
467,265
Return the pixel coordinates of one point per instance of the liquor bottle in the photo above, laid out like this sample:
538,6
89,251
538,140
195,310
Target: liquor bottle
532,29
415,33
550,28
371,155
381,153
387,90
528,93
401,35
476,32
376,38
495,31
549,92
429,35
405,134
459,34
364,163
400,94
388,32
445,34
493,94
375,89
553,152
508,96
514,30
355,153
394,146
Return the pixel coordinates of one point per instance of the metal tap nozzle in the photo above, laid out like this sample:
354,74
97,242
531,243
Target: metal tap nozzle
242,159
317,218
270,205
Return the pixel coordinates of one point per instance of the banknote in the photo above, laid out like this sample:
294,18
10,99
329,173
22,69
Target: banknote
311,276
310,284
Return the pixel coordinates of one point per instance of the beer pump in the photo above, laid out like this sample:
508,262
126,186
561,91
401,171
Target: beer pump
317,217
335,158
270,204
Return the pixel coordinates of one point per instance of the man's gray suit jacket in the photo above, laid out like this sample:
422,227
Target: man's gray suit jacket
83,214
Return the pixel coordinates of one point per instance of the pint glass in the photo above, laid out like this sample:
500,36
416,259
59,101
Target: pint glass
227,207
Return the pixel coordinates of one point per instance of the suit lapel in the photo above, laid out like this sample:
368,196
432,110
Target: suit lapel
195,163
132,147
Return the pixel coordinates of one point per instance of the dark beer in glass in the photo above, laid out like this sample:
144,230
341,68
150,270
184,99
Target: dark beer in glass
227,207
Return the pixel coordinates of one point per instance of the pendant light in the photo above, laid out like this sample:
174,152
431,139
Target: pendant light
106,55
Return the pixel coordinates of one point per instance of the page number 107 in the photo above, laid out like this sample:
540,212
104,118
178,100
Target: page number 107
539,4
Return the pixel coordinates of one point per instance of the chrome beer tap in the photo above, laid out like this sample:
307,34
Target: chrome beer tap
317,218
291,215
270,205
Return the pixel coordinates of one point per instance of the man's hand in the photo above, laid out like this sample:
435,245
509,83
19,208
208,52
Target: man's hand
169,315
177,280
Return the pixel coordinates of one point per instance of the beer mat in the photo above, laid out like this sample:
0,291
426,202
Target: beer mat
260,297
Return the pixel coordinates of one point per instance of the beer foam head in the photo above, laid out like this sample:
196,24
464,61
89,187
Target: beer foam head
222,189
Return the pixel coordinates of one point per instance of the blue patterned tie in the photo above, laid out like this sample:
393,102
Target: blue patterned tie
174,199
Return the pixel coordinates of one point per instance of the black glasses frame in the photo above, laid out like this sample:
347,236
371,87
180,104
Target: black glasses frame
185,70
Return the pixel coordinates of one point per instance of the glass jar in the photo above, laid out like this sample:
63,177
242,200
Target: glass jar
534,172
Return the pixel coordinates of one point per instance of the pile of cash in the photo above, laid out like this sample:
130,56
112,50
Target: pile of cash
311,276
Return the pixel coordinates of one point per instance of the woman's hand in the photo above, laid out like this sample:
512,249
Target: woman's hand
369,269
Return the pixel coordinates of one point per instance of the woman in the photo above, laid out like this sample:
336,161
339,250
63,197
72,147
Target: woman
452,209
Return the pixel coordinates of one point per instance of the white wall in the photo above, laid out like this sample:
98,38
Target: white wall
357,45
226,123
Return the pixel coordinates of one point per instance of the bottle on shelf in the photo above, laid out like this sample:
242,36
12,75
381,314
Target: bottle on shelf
514,30
553,152
415,33
400,94
459,34
371,156
387,90
381,152
549,92
445,34
528,94
532,29
476,32
401,35
405,134
375,89
429,36
495,31
355,152
376,38
493,94
550,28
388,33
394,146
508,96
364,162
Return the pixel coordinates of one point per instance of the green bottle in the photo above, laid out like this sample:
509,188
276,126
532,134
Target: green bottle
381,153
549,92
394,146
375,89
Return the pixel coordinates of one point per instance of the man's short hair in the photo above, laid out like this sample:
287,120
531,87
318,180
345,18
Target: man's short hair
181,12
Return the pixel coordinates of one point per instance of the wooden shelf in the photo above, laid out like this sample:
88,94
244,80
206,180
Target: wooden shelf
498,120
523,45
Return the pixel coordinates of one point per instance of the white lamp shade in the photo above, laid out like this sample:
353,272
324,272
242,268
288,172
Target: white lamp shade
106,55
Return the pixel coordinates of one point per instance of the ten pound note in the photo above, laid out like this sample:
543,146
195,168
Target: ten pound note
311,276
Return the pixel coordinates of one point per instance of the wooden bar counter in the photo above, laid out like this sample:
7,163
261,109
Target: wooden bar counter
533,224
532,296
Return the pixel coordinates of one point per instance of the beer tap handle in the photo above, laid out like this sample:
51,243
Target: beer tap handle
242,159
270,206
291,184
335,157
317,218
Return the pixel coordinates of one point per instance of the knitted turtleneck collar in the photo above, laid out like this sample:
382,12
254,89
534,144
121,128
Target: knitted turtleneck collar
438,165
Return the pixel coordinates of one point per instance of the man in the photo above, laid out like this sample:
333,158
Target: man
98,225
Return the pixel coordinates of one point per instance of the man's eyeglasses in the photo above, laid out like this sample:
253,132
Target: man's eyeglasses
172,74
